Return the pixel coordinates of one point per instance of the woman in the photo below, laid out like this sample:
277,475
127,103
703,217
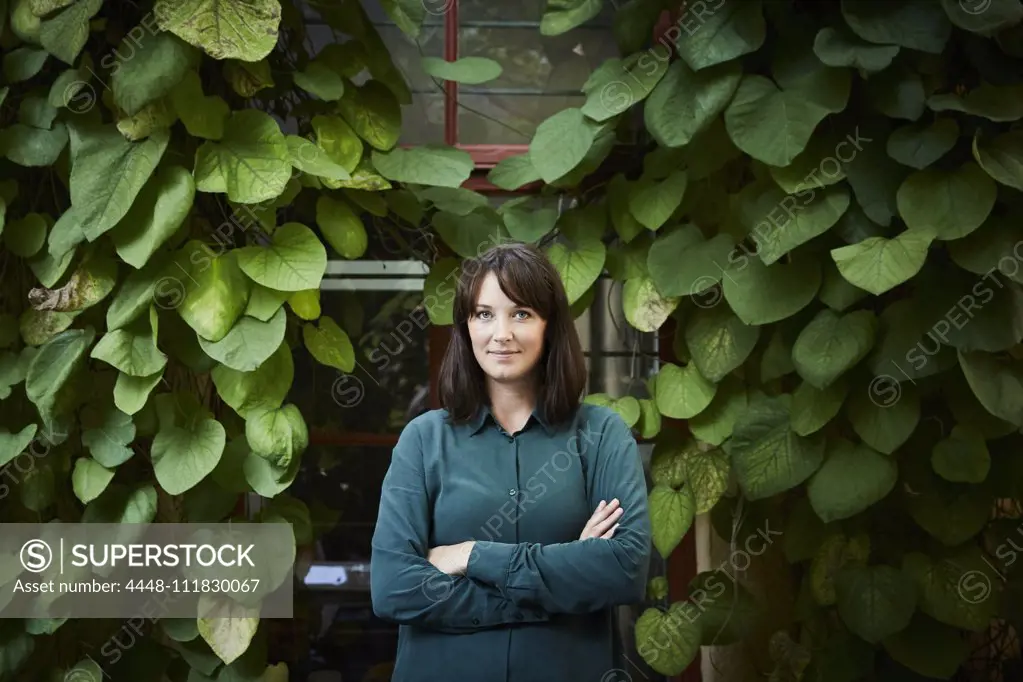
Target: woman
513,520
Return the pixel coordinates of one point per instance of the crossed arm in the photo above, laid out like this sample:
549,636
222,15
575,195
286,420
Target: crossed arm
474,585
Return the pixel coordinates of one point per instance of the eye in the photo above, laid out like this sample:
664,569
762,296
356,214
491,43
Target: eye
481,314
525,314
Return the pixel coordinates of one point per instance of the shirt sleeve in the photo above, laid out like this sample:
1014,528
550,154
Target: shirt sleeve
405,587
583,575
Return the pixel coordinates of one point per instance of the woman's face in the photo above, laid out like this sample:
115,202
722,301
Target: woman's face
507,339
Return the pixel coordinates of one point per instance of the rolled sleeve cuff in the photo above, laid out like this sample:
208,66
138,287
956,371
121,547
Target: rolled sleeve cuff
489,562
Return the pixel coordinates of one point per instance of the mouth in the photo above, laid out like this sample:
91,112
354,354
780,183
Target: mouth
502,353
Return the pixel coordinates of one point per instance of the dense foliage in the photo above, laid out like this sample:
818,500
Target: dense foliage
823,208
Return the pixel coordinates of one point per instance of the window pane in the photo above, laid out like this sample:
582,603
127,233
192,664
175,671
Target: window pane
523,113
541,75
520,10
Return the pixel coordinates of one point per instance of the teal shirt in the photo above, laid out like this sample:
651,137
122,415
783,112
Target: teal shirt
536,602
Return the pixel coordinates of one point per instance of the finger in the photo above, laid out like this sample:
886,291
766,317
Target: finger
604,510
608,522
610,534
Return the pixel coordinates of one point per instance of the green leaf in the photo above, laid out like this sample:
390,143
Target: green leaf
13,444
119,504
985,17
627,407
65,34
22,63
439,290
875,602
813,408
837,293
26,236
884,425
769,124
730,30
579,266
329,344
652,203
621,83
337,139
471,235
33,147
107,434
814,218
718,341
155,216
249,343
131,393
229,630
373,113
224,29
831,344
202,115
278,436
962,457
251,163
767,456
914,24
997,383
294,261
682,392
437,165
929,648
729,616
261,389
707,473
562,16
1002,104
685,102
51,367
186,448
919,145
761,294
835,553
878,265
682,263
132,349
645,308
90,479
156,66
309,158
467,70
107,174
344,230
512,172
715,424
528,226
668,642
671,515
941,586
321,81
852,478
897,92
560,143
1002,158
841,47
208,290
948,204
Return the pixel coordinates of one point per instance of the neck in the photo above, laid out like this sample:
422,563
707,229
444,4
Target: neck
512,399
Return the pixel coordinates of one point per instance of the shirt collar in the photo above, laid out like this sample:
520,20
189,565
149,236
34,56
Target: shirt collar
484,413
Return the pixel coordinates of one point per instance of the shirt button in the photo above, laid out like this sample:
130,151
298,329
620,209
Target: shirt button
475,621
513,492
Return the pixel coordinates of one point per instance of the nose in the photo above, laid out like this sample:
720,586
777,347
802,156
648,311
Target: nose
502,331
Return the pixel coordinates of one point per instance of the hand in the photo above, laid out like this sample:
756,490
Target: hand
604,521
451,559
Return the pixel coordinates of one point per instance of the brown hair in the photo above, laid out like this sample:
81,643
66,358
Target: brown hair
527,277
